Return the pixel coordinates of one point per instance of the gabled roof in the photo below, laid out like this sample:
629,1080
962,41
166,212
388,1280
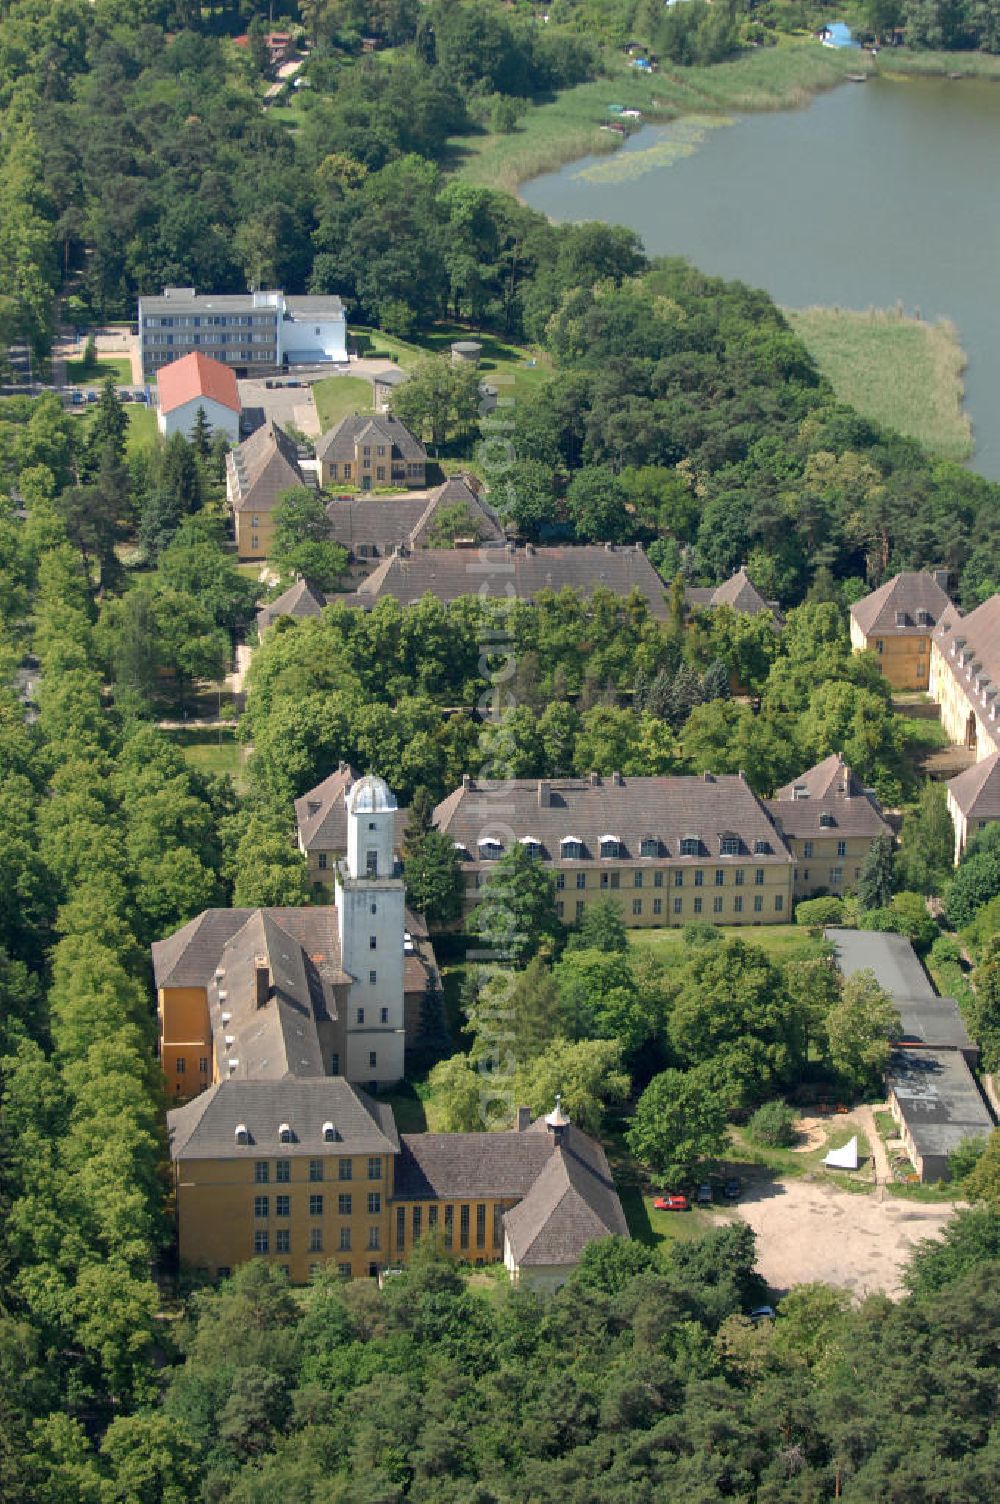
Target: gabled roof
833,790
462,1166
572,1202
509,572
738,591
362,428
205,1128
194,376
893,610
263,466
970,645
299,601
977,790
391,522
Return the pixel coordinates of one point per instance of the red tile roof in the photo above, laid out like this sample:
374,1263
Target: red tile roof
196,376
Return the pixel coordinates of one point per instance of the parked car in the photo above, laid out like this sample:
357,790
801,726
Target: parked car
733,1188
704,1197
93,396
671,1203
762,1313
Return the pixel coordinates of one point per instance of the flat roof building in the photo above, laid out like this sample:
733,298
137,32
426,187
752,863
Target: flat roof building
251,332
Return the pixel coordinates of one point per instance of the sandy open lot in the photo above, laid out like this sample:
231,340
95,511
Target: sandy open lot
807,1231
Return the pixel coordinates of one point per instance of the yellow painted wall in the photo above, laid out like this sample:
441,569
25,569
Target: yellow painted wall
185,1036
819,870
956,708
905,661
433,1219
253,540
652,907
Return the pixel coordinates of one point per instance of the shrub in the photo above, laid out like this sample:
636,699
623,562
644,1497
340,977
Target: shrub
699,932
773,1125
819,911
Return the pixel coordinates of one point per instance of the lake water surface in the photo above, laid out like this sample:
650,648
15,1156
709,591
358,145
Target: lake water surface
874,194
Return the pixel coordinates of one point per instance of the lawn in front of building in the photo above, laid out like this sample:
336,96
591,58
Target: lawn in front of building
339,397
782,942
208,751
79,373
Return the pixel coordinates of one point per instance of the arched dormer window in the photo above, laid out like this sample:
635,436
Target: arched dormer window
690,846
531,845
329,1133
284,1134
729,845
649,846
571,848
490,849
242,1136
611,846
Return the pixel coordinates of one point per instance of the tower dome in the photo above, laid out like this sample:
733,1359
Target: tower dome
370,795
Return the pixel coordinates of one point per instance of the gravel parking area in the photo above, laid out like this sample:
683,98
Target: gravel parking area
807,1231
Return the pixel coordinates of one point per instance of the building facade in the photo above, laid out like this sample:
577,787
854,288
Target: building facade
965,676
669,850
896,623
974,801
257,473
194,384
369,453
250,332
829,820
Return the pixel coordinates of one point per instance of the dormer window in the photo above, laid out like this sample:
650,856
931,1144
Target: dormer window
924,618
284,1134
531,846
902,619
761,848
690,846
800,791
729,845
826,820
461,850
242,1136
611,846
571,848
490,849
649,846
329,1133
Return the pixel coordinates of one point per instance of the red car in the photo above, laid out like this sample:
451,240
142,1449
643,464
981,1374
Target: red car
670,1203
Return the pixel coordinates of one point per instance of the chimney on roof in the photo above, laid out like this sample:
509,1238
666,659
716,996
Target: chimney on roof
708,777
595,780
616,779
941,578
466,780
544,793
523,1119
261,981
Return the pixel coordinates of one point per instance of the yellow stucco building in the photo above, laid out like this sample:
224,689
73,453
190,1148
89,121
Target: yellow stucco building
829,820
258,471
896,622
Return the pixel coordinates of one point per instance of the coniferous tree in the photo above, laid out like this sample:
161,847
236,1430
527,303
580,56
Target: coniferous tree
875,882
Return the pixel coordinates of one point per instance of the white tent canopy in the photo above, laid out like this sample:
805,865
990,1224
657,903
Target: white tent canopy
845,1158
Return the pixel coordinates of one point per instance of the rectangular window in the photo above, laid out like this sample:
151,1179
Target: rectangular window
345,1240
283,1240
400,1229
374,1203
581,879
374,1167
345,1169
373,942
359,1015
720,877
315,1240
260,1241
758,878
374,1238
282,1206
716,905
657,879
740,877
841,848
807,848
372,979
497,1225
345,1271
637,906
260,1206
480,1226
604,879
699,878
657,905
344,1204
560,881
779,904
418,1219
180,1065
261,1172
678,905
315,1170
463,1227
758,904
432,1218
322,861
316,1206
679,878
372,1060
697,905
637,879
383,1015
580,906
560,908
203,1064
738,904
836,874
449,1226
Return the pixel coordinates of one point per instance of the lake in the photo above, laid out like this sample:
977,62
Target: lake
874,194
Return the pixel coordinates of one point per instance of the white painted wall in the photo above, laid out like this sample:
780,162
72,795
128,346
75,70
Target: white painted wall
311,341
182,419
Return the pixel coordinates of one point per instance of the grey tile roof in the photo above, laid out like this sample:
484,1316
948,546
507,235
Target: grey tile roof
977,790
321,813
205,1128
391,377
299,601
263,466
970,646
385,523
340,442
457,1166
519,572
832,790
664,811
189,956
738,591
893,610
572,1202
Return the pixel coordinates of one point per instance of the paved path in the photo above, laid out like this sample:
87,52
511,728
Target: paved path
883,1170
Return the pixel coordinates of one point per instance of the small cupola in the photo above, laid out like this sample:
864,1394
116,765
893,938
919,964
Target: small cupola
557,1121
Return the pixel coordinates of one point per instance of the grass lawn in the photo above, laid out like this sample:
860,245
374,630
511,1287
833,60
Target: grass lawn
792,1162
782,942
210,751
338,397
78,373
142,430
897,370
568,126
514,369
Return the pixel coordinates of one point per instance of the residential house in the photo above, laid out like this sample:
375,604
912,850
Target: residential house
739,592
253,332
896,622
510,572
965,676
196,384
933,1094
371,453
829,820
300,1172
974,801
670,850
371,528
384,384
257,472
